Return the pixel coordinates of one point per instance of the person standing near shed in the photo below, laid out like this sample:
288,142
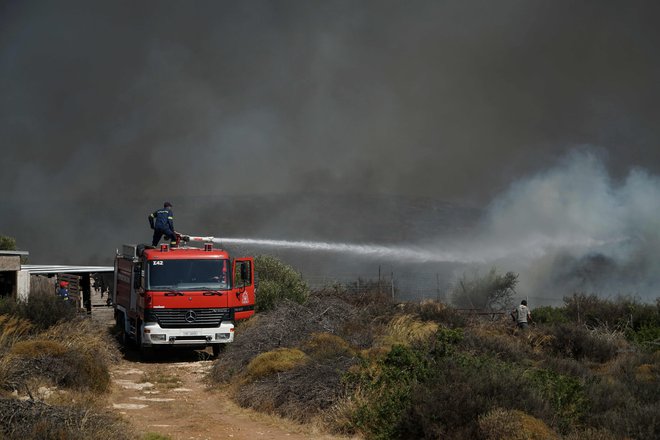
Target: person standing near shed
63,291
162,222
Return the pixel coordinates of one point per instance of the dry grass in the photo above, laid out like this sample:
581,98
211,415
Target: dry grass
275,361
12,329
22,420
407,329
502,424
75,355
326,345
38,347
292,324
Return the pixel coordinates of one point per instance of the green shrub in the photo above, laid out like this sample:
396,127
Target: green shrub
565,393
386,384
277,281
462,388
550,315
647,337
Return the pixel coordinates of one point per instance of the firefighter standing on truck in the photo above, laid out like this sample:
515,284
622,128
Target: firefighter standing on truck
162,222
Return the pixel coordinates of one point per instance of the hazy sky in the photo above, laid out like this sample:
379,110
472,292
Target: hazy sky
448,99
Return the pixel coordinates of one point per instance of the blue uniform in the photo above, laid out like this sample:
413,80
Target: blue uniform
162,222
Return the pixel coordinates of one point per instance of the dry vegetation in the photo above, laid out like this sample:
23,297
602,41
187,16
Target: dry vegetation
362,365
54,372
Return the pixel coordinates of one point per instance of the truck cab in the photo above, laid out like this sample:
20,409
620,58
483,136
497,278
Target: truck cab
188,297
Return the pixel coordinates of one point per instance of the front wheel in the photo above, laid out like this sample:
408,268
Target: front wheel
217,349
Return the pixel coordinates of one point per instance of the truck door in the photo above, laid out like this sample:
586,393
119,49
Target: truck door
243,288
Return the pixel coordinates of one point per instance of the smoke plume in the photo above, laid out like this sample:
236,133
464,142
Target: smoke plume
364,121
574,227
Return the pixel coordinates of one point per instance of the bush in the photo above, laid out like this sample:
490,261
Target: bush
276,361
436,311
550,315
326,345
490,292
579,343
406,329
486,340
43,308
74,355
277,282
566,394
463,388
502,424
300,393
625,312
20,419
387,385
291,324
647,337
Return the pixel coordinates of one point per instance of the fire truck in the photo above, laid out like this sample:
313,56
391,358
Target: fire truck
183,296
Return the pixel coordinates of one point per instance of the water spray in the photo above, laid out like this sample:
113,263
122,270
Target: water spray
413,254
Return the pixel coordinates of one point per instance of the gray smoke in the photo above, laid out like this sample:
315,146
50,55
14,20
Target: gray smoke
575,228
222,107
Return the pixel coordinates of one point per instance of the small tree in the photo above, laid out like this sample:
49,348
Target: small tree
277,281
493,292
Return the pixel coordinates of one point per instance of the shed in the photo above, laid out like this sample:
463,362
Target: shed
10,266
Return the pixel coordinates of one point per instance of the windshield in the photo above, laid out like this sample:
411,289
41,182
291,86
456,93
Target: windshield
187,274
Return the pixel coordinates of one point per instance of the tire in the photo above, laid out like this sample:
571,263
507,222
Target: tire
121,329
146,353
217,349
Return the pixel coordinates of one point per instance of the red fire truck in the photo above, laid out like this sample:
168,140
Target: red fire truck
181,296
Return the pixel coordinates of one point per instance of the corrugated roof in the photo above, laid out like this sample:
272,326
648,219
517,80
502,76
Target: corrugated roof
22,253
44,268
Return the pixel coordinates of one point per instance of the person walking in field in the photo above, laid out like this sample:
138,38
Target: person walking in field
162,222
522,315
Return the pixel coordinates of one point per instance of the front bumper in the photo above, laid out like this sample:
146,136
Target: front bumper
155,336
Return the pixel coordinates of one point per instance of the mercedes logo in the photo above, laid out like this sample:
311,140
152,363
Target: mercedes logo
190,316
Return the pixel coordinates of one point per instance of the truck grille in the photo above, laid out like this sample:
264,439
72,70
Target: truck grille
182,318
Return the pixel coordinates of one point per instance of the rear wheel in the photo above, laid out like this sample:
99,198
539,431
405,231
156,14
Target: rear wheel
121,329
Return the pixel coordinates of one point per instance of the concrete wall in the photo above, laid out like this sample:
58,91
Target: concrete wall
10,263
22,285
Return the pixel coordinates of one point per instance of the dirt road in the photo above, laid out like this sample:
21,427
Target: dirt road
169,397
